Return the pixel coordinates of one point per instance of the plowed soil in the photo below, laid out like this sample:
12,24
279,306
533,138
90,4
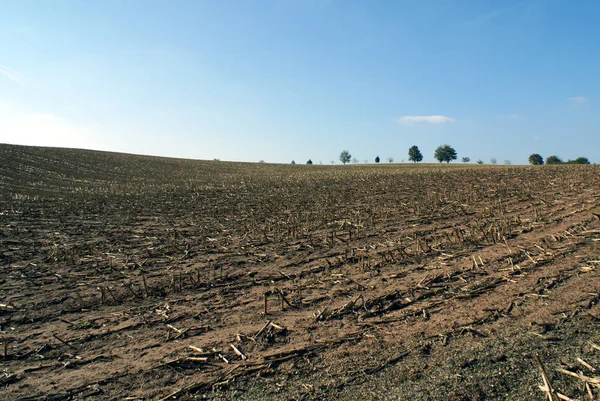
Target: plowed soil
133,277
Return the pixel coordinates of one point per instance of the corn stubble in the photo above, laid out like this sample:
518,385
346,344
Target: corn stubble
201,275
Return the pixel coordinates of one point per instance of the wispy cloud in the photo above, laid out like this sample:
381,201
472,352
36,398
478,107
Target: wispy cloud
516,117
14,76
491,15
425,120
578,100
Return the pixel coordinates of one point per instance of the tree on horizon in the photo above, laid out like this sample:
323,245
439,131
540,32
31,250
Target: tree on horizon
445,153
345,156
536,159
414,154
554,160
579,160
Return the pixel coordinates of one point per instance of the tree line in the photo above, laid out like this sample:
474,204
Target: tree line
537,160
446,153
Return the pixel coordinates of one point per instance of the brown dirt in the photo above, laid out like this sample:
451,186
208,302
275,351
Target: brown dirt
381,282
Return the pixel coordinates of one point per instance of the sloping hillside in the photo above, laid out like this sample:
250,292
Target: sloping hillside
135,277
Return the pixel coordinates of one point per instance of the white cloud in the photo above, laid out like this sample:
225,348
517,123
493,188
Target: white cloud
516,117
44,129
425,119
578,100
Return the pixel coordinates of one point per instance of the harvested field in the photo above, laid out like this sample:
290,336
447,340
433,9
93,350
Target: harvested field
132,277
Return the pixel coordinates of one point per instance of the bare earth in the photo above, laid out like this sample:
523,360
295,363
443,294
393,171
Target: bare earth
131,277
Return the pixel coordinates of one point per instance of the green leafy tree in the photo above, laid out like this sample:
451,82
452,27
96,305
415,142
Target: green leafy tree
582,160
309,162
445,153
414,154
377,159
536,159
293,162
466,159
579,160
390,159
554,160
493,160
345,157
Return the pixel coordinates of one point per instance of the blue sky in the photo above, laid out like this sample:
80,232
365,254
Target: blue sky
290,80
